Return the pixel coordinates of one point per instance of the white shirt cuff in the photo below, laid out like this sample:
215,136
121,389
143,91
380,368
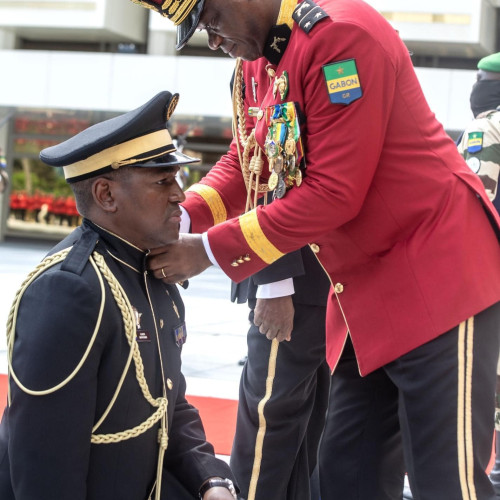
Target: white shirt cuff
281,288
185,224
210,255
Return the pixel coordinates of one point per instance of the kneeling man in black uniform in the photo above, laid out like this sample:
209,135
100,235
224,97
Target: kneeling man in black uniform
96,407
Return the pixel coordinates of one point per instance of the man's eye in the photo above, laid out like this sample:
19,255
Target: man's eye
165,181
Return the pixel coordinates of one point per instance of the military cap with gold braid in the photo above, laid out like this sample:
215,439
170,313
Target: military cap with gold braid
185,14
138,138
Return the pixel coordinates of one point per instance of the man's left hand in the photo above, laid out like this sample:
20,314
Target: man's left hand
274,317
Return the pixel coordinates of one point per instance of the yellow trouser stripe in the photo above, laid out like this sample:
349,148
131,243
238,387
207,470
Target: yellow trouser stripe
259,441
464,413
213,200
256,239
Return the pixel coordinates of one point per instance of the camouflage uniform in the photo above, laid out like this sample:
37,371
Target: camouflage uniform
480,146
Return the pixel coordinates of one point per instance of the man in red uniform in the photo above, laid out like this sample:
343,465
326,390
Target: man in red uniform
364,172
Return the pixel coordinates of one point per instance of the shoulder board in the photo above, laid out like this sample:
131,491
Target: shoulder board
78,257
307,14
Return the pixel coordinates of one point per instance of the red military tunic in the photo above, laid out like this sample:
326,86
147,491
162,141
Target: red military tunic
399,218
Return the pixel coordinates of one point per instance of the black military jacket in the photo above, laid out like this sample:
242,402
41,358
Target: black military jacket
45,441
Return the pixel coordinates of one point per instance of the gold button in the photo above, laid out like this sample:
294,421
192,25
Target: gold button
247,258
170,384
339,288
240,260
260,114
314,247
234,263
161,323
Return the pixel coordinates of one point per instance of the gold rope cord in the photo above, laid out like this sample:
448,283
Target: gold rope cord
249,167
123,304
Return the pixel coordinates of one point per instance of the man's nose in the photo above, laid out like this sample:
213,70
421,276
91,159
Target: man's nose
214,41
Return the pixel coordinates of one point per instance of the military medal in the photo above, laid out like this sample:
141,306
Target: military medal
278,164
281,188
298,177
273,181
281,85
283,145
290,146
272,149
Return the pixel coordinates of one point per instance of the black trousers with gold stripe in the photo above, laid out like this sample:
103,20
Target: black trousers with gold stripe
445,391
281,411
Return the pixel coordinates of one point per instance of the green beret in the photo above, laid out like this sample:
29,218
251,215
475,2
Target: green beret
490,63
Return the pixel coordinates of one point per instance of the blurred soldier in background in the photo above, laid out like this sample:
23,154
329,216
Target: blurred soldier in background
480,146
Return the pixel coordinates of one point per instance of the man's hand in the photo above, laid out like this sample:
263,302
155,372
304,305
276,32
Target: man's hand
274,317
218,493
179,261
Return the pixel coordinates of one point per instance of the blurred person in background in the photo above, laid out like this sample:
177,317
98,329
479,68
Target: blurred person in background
480,147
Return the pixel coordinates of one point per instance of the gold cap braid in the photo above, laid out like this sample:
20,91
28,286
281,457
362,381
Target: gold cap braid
181,11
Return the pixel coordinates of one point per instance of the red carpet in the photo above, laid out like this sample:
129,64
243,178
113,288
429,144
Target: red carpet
219,421
3,392
218,415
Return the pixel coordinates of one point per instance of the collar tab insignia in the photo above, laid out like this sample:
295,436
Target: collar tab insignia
277,42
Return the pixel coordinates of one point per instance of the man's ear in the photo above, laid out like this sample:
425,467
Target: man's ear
103,194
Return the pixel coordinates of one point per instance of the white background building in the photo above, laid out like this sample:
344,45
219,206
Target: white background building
87,57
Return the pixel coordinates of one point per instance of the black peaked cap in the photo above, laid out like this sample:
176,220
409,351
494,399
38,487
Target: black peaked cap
139,138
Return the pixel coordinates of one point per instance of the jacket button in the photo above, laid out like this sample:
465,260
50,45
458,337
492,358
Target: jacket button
170,384
339,288
234,263
314,247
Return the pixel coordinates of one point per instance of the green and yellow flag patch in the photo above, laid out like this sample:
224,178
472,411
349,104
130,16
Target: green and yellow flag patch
342,82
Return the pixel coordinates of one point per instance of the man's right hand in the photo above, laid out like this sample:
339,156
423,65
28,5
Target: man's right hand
179,261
